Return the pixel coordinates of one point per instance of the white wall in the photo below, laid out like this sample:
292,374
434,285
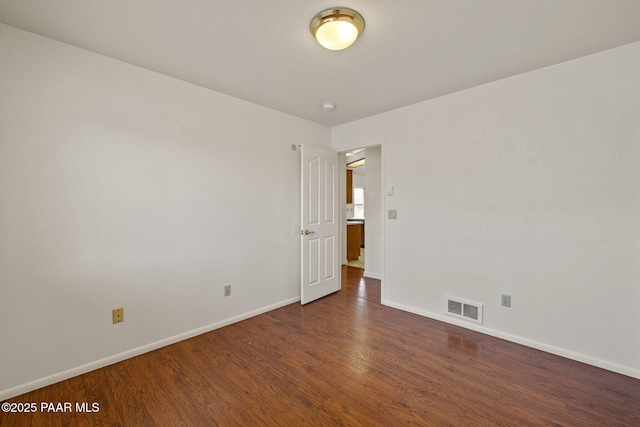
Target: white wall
528,186
120,187
373,212
359,177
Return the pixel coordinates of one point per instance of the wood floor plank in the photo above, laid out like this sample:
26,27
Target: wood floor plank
155,392
126,398
343,360
49,395
97,391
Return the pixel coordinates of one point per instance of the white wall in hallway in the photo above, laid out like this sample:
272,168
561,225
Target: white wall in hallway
373,207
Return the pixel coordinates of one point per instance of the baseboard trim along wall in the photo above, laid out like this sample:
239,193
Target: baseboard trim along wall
620,369
372,275
83,369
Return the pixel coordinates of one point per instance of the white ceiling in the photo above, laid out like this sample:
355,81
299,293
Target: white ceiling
262,51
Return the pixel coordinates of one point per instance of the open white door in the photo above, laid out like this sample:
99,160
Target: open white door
320,223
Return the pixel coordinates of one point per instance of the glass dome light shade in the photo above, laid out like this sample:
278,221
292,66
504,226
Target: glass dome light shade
337,29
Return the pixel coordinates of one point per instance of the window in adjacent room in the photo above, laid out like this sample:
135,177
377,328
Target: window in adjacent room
358,202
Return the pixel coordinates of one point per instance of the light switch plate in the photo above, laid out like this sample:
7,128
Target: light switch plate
392,214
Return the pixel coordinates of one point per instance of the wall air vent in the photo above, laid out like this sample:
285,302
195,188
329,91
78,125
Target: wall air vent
467,310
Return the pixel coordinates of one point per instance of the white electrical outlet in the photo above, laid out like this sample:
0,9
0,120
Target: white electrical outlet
227,290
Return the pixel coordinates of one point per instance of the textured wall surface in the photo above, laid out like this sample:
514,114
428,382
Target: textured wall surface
120,187
528,186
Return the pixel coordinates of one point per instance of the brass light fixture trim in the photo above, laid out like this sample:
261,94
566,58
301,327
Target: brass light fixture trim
356,163
337,28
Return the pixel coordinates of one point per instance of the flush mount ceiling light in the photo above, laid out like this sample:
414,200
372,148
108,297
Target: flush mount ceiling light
337,28
356,163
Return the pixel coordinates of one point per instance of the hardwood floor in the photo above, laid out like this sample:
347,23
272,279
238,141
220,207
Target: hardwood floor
342,360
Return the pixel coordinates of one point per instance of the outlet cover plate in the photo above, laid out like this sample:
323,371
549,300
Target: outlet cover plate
506,300
118,315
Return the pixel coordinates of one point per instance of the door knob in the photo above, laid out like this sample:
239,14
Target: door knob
306,232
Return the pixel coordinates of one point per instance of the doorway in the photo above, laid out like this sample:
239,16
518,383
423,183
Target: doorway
355,213
362,210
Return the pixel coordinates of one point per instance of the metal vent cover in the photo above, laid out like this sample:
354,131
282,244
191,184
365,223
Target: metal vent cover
454,307
464,309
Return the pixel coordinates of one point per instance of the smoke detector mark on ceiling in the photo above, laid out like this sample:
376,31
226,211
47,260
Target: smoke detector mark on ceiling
328,106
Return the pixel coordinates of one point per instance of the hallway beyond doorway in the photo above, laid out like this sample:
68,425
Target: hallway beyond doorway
357,263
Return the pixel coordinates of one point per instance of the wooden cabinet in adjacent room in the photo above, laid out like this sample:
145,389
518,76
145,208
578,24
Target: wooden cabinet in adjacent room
349,186
354,240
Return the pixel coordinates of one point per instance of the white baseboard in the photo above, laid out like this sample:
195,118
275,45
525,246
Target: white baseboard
604,364
83,369
372,275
